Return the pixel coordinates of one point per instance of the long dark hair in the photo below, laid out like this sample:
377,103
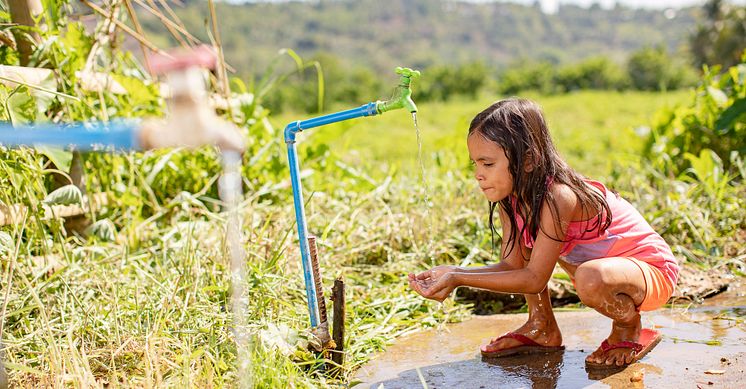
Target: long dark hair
518,126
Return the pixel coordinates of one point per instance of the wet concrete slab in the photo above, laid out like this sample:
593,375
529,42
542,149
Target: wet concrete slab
703,346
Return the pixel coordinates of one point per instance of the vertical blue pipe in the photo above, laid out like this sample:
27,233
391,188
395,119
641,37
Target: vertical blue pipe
311,298
300,213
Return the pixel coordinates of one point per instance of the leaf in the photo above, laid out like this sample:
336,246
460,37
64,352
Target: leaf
66,195
718,95
6,243
21,106
159,166
141,92
104,229
705,165
62,159
728,117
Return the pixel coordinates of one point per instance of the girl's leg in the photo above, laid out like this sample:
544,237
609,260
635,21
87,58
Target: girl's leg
614,287
541,326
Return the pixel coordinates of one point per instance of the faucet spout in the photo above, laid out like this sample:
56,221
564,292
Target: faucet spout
402,97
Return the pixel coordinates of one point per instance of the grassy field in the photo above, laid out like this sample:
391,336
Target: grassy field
591,129
150,307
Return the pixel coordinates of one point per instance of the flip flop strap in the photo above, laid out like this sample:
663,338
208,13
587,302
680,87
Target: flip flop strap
606,346
521,338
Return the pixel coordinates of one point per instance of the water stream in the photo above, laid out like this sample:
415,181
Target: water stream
425,184
229,187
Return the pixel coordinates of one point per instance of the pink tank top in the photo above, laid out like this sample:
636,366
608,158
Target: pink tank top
629,235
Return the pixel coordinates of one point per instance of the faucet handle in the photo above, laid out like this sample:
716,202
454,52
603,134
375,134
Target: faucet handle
407,72
178,60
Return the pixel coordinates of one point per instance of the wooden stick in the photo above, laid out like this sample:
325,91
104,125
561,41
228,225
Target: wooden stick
317,278
338,325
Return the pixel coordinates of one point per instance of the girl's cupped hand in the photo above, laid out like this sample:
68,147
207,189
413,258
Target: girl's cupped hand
435,284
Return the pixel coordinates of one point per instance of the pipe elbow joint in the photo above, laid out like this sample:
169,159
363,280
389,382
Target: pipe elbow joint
290,131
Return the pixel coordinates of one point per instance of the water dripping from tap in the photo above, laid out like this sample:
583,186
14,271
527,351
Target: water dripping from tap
229,189
423,178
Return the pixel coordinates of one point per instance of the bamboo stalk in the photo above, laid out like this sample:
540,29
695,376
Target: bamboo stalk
124,27
138,28
172,27
178,21
23,13
222,73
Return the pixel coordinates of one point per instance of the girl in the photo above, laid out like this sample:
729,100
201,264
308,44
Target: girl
550,214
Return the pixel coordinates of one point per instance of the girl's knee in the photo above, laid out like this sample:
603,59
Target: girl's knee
589,284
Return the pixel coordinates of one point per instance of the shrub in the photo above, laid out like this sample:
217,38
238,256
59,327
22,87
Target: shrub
442,82
522,76
651,68
713,120
593,73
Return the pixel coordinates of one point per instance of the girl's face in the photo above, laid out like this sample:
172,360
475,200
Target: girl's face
490,167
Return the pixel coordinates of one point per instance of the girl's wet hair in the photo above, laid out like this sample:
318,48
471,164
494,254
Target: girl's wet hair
518,126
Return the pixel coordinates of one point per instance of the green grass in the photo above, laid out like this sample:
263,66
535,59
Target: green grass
151,308
591,129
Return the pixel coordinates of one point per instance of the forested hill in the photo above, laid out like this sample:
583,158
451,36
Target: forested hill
382,34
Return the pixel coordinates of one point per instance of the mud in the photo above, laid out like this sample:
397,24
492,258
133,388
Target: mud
702,346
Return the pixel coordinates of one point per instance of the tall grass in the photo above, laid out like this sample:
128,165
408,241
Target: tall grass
150,308
148,304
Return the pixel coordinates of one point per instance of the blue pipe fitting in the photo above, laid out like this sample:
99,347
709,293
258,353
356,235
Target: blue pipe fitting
298,126
119,135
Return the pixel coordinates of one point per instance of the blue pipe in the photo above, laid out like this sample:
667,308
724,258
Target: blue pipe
120,135
300,214
295,127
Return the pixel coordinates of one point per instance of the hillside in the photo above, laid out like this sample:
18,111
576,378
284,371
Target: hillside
420,33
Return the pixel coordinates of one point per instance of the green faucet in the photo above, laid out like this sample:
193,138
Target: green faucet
402,97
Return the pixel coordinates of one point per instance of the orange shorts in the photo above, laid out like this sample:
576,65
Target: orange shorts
658,288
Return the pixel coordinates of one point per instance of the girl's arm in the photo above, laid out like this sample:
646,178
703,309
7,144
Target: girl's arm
514,259
531,279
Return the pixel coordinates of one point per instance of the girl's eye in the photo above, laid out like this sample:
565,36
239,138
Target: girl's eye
488,164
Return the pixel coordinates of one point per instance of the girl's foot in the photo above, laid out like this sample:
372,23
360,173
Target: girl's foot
543,332
620,332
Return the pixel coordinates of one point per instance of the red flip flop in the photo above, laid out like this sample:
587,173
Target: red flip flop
649,338
527,346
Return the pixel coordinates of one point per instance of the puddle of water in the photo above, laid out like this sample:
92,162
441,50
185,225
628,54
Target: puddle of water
451,359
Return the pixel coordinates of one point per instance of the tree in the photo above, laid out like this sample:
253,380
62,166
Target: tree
651,68
721,37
